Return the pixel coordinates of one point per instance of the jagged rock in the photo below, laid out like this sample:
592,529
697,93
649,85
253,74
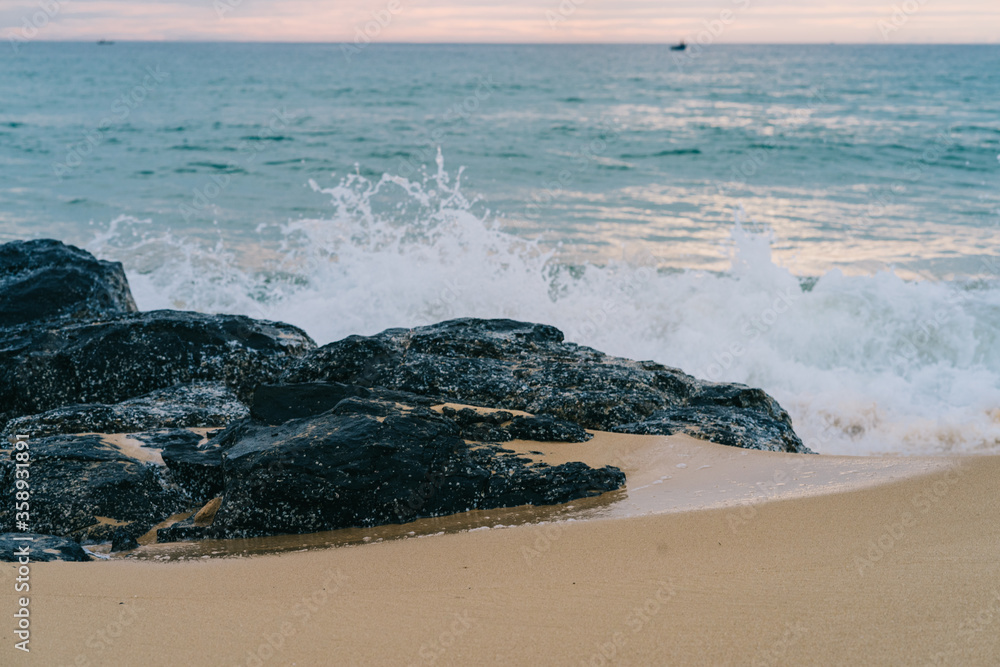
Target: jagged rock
196,404
44,279
480,426
748,429
278,403
546,428
197,470
57,363
523,366
194,527
502,426
42,548
369,462
123,540
84,487
164,439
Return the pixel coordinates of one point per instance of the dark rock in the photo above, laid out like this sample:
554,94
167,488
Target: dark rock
44,279
546,428
82,486
182,531
278,403
469,417
165,439
42,548
523,366
122,540
480,426
196,404
195,469
370,462
727,415
502,426
49,365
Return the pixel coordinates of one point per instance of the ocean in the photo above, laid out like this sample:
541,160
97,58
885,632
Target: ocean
819,221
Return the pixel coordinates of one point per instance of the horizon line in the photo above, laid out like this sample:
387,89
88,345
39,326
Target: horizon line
480,43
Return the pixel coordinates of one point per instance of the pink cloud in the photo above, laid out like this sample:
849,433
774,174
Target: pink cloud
518,21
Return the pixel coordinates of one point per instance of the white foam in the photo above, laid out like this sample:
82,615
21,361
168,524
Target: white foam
864,364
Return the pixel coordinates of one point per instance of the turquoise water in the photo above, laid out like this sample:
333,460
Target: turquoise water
822,221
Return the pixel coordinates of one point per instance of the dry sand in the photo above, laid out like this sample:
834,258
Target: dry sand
837,561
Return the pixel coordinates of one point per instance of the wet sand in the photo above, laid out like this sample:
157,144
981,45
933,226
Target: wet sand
790,559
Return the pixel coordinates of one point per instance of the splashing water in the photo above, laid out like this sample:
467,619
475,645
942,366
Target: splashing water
864,364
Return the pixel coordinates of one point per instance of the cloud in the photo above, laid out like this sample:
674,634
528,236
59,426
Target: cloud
771,21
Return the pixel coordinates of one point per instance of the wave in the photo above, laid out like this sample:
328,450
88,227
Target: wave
865,364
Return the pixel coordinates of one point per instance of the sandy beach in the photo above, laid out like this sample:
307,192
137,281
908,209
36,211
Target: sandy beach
843,561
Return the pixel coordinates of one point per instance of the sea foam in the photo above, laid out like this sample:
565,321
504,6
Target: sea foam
865,364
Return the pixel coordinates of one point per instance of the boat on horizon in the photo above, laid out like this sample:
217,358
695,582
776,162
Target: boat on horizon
104,42
679,47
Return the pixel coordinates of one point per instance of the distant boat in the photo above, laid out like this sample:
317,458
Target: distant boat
104,42
678,47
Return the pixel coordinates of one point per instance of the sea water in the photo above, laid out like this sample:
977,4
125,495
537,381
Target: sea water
819,221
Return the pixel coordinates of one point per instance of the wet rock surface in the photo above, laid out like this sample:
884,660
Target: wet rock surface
747,429
369,462
195,469
529,367
86,488
278,403
196,404
123,540
55,363
44,279
350,434
502,426
42,548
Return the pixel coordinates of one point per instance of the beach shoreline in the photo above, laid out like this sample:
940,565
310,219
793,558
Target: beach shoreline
892,568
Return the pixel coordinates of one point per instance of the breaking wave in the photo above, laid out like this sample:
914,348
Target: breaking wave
864,364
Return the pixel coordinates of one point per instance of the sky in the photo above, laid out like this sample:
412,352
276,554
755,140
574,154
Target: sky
539,21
